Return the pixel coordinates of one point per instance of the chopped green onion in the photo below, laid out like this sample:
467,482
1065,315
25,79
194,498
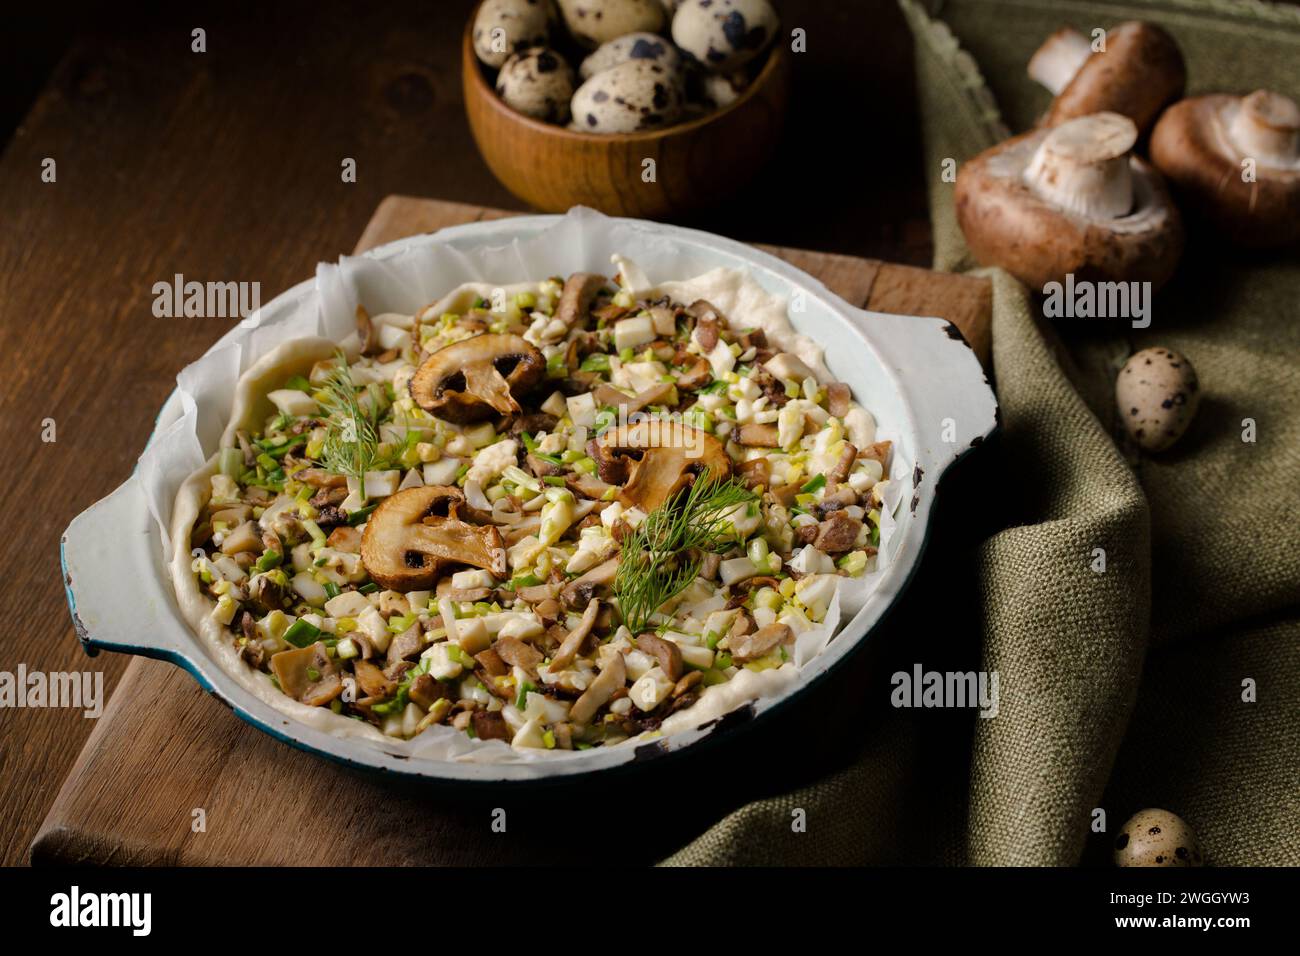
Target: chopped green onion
595,362
522,698
302,633
814,485
361,514
269,560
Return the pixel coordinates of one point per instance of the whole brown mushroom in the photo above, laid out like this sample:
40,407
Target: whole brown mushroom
1071,199
1236,160
1136,71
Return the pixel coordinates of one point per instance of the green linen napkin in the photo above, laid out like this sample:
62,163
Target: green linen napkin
1120,689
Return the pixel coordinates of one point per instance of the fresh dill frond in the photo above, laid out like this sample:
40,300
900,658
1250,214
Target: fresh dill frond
351,437
663,554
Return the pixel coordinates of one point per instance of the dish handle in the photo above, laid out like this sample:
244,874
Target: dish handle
947,390
116,602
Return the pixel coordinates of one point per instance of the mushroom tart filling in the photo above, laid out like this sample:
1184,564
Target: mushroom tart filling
555,519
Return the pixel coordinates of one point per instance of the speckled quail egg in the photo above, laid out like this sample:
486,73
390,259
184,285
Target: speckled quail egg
1156,838
636,95
593,22
538,83
633,46
720,91
502,27
1156,394
724,34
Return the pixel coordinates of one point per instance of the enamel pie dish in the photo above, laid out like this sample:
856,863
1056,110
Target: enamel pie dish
916,376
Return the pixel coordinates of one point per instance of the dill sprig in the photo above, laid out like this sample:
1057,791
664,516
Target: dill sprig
351,437
662,556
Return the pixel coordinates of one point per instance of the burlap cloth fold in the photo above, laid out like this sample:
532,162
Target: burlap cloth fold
1121,689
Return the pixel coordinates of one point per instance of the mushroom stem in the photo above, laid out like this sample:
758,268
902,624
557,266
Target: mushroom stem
1059,59
1267,127
1082,166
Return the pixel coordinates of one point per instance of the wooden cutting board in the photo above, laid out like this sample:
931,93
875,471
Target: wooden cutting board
171,776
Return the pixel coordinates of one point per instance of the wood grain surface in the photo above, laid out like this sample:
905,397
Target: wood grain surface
162,737
225,166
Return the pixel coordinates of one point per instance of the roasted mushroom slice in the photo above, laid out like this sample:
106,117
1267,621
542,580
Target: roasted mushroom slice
415,533
308,675
476,378
576,298
662,457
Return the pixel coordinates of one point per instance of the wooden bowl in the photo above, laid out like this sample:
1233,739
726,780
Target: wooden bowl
697,163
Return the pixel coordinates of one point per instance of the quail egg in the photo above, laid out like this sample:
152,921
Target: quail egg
636,95
538,83
633,46
593,22
502,27
1156,838
1156,394
721,91
724,35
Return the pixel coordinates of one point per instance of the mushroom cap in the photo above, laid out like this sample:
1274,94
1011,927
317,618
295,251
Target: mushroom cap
1140,71
671,455
1007,224
414,535
475,378
1192,145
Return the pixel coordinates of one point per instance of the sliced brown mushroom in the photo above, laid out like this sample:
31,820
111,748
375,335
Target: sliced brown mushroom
844,466
1070,200
307,674
372,680
427,690
838,398
416,533
490,725
755,472
518,654
406,645
576,298
654,395
1135,71
367,332
1236,160
602,688
320,478
668,654
492,663
572,644
747,647
696,373
838,533
758,436
536,593
578,592
662,458
478,377
345,538
588,486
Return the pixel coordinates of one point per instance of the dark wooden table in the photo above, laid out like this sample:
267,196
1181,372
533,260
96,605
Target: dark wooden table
226,166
